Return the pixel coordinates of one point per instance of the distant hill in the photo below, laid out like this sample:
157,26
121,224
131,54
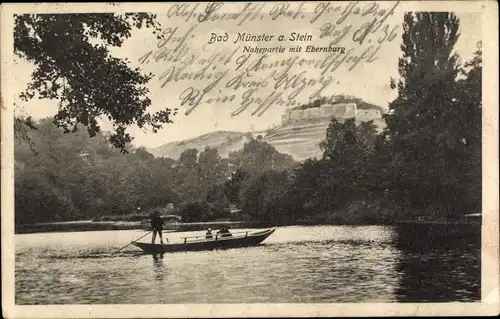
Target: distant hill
224,141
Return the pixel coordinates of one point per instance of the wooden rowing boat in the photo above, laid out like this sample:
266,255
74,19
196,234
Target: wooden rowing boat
194,243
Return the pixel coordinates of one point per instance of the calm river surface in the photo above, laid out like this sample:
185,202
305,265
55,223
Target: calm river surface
296,264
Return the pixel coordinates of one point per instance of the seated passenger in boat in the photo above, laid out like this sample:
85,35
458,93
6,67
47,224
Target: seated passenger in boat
208,235
224,232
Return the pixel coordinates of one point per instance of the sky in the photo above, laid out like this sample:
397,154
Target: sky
368,80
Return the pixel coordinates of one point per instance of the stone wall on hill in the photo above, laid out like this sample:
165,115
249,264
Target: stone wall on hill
338,110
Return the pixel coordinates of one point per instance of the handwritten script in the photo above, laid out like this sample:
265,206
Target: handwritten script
252,56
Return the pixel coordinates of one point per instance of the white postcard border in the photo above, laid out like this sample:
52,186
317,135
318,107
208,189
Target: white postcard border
490,239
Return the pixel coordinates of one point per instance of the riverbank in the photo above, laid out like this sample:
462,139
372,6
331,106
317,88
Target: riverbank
424,234
88,225
74,226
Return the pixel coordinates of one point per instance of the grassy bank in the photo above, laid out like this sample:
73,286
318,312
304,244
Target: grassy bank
75,226
122,218
78,226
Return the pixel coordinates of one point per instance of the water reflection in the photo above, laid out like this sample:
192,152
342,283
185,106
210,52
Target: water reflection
438,265
158,268
296,264
158,258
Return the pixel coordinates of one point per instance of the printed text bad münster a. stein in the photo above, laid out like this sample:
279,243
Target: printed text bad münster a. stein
294,36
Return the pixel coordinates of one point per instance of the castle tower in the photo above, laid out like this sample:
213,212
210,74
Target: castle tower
285,117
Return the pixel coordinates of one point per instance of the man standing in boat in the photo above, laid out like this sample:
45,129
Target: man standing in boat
157,226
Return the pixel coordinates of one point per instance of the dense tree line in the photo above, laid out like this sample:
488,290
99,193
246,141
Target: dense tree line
72,176
426,163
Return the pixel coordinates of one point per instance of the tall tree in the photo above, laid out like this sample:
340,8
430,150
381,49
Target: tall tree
234,185
258,156
88,82
346,170
212,168
418,126
268,198
467,142
428,70
189,158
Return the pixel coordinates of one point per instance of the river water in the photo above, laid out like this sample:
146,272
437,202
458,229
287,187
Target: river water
320,264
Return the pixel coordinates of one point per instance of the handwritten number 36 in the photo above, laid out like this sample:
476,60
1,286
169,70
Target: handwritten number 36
391,36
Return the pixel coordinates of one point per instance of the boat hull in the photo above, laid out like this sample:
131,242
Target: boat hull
252,239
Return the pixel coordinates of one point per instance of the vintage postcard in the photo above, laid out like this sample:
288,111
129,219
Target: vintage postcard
249,159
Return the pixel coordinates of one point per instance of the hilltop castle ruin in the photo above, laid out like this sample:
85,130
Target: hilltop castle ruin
341,111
